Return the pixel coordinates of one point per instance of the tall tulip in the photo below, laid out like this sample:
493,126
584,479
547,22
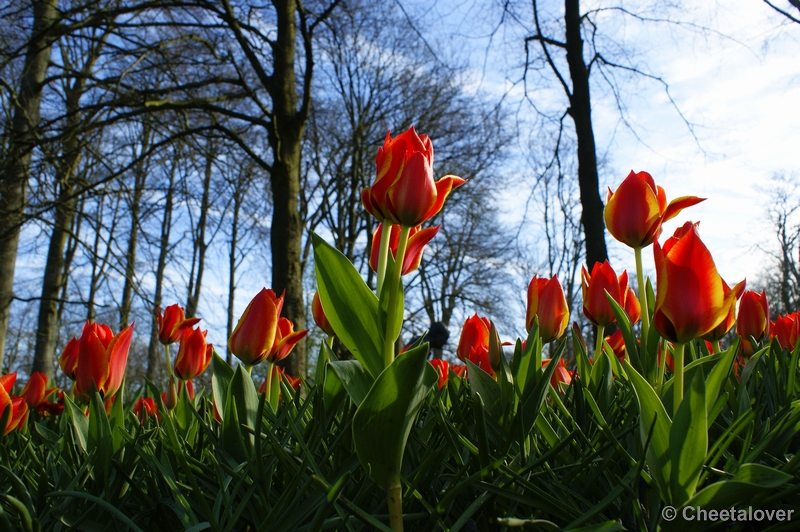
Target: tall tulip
36,391
101,360
753,320
194,354
418,238
787,330
546,301
442,367
404,191
473,345
69,358
18,410
594,287
560,374
172,323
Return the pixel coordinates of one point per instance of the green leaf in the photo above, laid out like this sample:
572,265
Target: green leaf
749,481
533,398
688,441
351,307
652,415
221,375
383,421
79,421
241,407
383,304
355,379
482,383
99,431
334,391
624,325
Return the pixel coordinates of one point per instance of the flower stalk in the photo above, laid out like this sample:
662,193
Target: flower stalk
394,289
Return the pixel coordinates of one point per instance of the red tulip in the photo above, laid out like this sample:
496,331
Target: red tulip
69,358
690,295
7,381
787,330
546,300
101,360
194,354
404,191
277,373
560,374
442,367
172,324
594,287
146,407
753,320
617,344
459,369
716,334
473,345
417,240
635,211
36,391
319,315
261,333
19,410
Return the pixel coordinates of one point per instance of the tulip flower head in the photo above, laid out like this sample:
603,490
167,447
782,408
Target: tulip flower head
102,358
547,301
319,315
172,324
17,410
617,344
753,320
146,407
473,345
442,367
261,333
560,374
7,381
635,211
194,354
594,287
787,330
69,358
36,391
716,334
690,295
404,191
418,238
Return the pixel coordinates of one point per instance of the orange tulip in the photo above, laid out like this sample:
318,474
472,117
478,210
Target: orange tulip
753,320
547,301
473,345
101,360
787,330
442,367
459,369
404,191
594,287
560,374
36,391
690,295
635,211
261,333
617,344
172,324
194,354
7,381
146,407
716,334
319,315
69,358
18,410
418,238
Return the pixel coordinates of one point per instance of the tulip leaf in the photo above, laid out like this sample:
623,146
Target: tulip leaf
653,416
355,379
99,435
750,480
625,327
383,422
350,306
581,356
80,423
688,440
242,406
533,398
482,383
221,375
723,362
333,391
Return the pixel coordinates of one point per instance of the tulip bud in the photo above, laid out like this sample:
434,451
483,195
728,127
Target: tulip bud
172,324
36,391
753,320
546,301
171,400
442,367
595,303
319,315
473,345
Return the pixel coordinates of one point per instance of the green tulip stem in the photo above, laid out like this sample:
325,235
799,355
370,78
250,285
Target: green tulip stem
383,252
677,386
715,347
598,350
169,364
329,341
394,497
394,288
662,368
268,383
642,295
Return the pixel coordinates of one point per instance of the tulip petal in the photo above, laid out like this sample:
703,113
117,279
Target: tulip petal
444,186
678,204
416,246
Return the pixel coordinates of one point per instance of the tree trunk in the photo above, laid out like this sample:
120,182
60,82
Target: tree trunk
200,245
581,113
237,204
13,186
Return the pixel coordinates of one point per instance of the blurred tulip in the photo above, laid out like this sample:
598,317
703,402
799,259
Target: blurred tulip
69,358
635,211
473,345
690,295
7,381
560,374
172,324
194,354
753,320
716,334
319,315
18,410
418,238
404,191
277,373
261,333
170,397
146,407
617,344
594,287
442,367
102,358
36,391
547,301
787,330
459,369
